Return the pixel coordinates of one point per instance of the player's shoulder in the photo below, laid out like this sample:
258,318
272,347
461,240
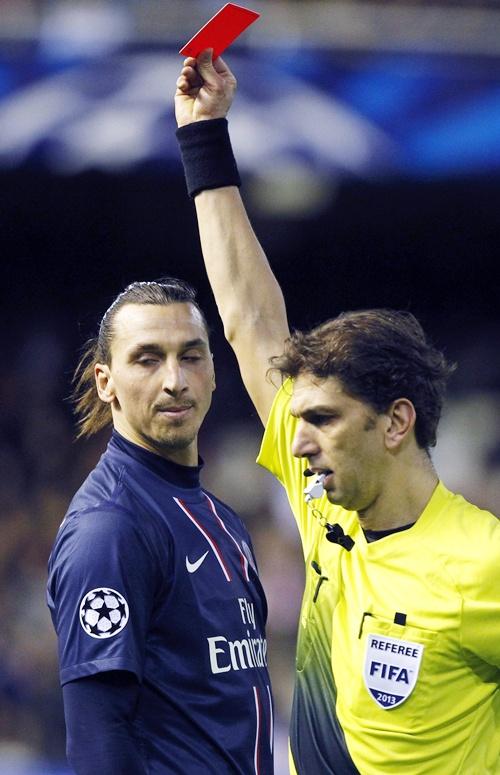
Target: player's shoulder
87,532
108,500
103,530
102,503
108,514
104,484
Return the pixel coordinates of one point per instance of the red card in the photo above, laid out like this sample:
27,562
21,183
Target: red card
220,31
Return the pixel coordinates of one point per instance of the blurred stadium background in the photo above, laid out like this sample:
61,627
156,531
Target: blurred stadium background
368,135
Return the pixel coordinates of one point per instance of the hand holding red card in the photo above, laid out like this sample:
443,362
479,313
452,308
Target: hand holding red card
220,31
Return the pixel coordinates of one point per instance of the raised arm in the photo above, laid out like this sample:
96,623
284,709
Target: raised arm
248,296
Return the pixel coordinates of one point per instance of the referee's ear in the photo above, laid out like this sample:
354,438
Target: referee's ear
104,383
401,417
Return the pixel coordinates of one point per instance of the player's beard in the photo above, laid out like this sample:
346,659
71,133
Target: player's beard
174,439
175,436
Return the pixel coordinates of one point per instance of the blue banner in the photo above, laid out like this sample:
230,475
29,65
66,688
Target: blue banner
370,115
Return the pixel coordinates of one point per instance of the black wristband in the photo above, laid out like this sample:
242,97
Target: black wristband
207,155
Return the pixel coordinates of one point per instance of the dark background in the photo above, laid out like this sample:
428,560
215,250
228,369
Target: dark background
71,243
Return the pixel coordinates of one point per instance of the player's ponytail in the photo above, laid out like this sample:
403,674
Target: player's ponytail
92,414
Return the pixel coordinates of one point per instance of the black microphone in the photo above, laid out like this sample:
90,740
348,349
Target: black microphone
308,472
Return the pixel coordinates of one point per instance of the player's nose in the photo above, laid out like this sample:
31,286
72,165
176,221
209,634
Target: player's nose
173,378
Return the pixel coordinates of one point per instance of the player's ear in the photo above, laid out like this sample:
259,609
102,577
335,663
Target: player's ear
401,417
104,383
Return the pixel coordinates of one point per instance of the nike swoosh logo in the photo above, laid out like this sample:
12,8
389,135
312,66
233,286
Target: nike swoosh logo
192,567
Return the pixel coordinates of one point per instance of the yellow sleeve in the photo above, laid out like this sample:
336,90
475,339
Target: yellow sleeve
481,599
276,456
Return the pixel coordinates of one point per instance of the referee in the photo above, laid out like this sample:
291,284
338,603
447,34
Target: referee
398,656
153,586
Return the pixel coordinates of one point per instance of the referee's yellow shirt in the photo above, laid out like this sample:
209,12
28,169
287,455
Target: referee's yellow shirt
398,655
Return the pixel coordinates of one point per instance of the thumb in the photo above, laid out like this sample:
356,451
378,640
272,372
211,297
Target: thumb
205,66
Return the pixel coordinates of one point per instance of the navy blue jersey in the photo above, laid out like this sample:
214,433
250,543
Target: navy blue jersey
151,574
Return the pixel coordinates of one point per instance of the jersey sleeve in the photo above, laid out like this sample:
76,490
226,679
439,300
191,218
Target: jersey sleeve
276,456
481,600
104,574
99,712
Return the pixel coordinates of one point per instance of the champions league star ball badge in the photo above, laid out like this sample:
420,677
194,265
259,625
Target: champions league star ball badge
103,613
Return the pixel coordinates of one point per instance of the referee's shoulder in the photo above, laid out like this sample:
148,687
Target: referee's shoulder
472,543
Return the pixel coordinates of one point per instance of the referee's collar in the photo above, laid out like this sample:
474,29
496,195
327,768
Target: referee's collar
174,473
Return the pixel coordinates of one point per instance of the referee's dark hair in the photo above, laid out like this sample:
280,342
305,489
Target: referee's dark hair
379,355
92,413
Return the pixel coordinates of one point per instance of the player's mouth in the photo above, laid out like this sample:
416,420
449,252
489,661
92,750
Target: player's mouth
177,411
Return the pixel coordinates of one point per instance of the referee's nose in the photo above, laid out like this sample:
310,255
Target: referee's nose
304,443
